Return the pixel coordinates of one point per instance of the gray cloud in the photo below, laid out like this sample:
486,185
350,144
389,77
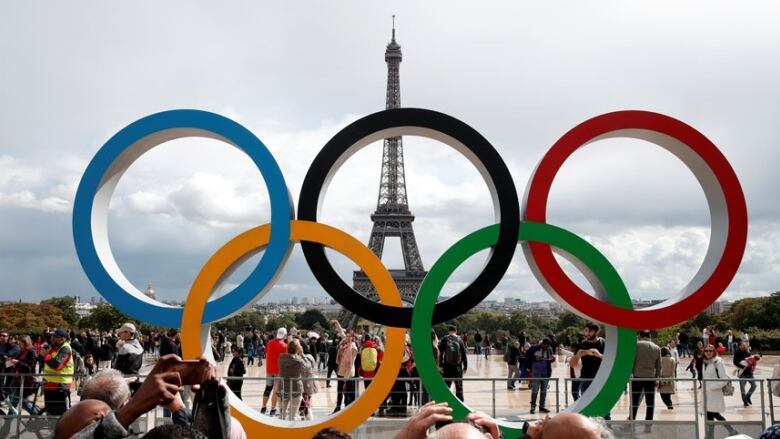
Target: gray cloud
521,74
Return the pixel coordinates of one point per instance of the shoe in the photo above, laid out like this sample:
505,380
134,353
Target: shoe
543,410
382,413
328,386
510,388
670,407
272,413
337,409
533,410
262,411
746,405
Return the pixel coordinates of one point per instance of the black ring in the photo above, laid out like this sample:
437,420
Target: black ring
438,126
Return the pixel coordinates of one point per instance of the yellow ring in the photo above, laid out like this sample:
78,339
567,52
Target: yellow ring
217,268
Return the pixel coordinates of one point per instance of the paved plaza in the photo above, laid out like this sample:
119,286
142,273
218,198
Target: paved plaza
486,390
491,395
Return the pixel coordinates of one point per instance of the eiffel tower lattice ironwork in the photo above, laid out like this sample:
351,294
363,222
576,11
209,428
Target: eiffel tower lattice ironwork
392,217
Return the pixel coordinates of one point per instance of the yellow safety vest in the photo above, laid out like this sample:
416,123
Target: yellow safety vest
62,376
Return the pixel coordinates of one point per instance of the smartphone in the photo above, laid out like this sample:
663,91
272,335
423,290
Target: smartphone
191,371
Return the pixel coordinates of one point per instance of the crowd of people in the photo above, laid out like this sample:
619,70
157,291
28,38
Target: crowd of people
91,362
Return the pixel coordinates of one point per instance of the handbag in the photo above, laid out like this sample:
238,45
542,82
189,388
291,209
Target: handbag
728,388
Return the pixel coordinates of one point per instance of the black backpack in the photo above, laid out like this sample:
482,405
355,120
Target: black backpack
452,351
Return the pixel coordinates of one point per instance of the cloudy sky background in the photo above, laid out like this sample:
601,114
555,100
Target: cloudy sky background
522,75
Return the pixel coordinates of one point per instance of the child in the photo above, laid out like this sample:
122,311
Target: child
250,355
236,369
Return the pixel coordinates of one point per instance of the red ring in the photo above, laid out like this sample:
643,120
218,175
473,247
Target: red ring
649,318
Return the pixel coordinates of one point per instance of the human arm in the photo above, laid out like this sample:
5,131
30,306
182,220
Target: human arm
61,360
428,415
339,330
157,389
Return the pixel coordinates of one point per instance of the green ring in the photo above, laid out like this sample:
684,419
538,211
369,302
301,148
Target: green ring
568,244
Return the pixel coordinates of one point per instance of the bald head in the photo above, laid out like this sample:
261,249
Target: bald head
459,430
79,416
568,425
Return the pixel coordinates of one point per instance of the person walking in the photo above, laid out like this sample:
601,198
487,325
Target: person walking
292,367
486,346
730,342
236,370
684,344
333,350
477,343
745,364
714,374
647,364
539,359
698,361
667,385
512,358
453,361
322,352
275,349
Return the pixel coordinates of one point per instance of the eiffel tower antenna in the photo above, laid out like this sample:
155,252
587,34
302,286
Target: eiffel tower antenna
392,217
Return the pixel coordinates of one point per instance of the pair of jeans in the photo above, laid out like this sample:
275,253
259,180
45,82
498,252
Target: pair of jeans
539,387
713,416
575,389
345,391
667,399
56,400
513,374
290,406
323,362
638,390
454,374
742,383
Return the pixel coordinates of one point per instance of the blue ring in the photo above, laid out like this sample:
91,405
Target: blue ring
199,123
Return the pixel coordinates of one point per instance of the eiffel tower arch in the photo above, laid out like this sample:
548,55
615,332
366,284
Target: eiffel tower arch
392,217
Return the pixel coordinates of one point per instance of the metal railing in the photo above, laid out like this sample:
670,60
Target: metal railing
21,404
774,401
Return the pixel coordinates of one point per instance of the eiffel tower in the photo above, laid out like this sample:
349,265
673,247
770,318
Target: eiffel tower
392,217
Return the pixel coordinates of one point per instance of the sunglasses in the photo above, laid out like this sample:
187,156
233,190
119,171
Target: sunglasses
709,350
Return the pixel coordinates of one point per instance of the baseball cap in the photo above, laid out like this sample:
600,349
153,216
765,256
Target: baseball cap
60,333
127,327
281,333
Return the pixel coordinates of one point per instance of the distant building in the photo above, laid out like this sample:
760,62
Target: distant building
84,309
150,292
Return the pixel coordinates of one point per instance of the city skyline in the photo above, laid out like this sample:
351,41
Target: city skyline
521,81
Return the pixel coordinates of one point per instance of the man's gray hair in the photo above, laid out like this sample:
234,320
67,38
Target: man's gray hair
109,386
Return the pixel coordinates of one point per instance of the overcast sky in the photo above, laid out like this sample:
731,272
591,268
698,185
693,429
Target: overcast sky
295,74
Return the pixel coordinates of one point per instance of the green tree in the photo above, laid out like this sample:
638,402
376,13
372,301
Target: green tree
105,318
310,318
30,318
286,320
68,306
568,319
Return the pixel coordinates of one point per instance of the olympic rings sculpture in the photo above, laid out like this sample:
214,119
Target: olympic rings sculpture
611,306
